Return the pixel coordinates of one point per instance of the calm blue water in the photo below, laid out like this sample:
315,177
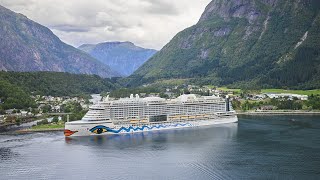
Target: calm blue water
258,147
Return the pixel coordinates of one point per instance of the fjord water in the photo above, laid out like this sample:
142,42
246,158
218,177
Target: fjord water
258,147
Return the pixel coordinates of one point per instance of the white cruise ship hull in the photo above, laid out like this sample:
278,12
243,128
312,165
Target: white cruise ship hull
86,128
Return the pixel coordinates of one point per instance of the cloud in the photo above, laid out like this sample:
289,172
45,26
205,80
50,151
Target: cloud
148,23
161,7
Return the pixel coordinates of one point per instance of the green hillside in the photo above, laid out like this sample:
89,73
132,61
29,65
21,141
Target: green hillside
57,83
16,88
255,43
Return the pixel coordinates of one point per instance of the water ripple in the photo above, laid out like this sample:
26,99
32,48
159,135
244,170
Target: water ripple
264,147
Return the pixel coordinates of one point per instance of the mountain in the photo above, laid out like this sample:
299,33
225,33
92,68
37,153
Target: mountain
123,57
244,43
28,46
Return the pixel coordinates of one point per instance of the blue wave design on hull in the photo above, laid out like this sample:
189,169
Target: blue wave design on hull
137,128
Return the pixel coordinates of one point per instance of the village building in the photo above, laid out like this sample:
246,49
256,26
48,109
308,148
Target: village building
287,95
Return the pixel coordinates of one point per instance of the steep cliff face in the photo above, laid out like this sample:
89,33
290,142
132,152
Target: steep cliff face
124,57
248,9
265,43
28,46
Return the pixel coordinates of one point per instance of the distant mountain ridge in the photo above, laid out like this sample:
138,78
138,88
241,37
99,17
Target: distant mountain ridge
124,57
244,43
28,46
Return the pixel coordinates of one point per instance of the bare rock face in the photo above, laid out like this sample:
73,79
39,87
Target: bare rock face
231,8
222,32
28,46
270,2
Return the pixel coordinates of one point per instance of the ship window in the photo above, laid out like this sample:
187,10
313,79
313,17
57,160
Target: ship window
158,118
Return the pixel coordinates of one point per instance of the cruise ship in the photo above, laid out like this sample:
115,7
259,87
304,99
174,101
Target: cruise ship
135,114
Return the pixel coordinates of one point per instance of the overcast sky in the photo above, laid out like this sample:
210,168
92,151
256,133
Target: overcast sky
147,23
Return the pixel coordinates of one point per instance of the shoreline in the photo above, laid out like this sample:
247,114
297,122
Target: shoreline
25,131
284,112
39,130
250,113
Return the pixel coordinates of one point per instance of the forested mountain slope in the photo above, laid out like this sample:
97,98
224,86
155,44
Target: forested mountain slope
16,88
244,43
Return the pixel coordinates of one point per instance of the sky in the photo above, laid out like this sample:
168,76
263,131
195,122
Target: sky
147,23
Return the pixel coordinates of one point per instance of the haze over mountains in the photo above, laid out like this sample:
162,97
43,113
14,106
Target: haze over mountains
123,57
28,46
247,43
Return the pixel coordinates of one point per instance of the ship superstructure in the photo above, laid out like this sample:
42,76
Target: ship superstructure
136,114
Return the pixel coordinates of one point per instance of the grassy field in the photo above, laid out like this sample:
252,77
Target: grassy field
237,91
48,126
170,82
301,92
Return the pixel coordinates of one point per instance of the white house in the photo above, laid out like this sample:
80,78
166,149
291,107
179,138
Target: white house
290,96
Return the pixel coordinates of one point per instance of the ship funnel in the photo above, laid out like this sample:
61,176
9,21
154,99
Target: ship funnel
227,103
137,96
131,96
